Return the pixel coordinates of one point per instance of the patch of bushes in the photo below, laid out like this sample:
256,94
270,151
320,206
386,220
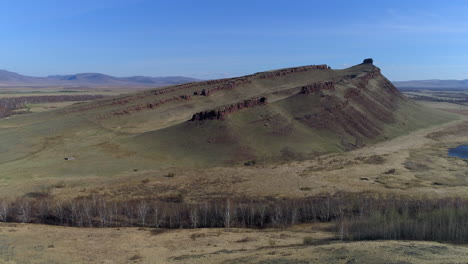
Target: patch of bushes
170,175
390,171
374,160
308,241
250,163
272,242
414,166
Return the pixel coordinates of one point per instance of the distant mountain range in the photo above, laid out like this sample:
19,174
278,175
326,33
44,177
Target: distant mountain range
433,84
12,79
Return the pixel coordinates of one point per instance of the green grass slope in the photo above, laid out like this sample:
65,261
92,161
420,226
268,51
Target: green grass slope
300,126
115,136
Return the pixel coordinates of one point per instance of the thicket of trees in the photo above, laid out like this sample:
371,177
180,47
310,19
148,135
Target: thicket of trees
357,217
432,220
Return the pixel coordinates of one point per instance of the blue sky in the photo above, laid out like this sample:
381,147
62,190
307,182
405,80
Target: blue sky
215,39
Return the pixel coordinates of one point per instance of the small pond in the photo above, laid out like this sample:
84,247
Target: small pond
459,152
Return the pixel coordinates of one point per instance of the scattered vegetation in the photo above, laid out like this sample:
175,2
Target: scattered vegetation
135,257
308,240
170,175
374,159
245,240
414,166
272,242
195,236
250,163
145,181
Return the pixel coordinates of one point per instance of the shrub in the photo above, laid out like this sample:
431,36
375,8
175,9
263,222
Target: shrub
250,163
308,241
272,242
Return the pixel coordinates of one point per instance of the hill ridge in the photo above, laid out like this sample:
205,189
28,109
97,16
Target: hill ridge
288,114
90,79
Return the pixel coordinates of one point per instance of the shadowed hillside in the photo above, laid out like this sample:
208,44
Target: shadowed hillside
288,114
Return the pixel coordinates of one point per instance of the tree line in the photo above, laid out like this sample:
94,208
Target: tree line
356,217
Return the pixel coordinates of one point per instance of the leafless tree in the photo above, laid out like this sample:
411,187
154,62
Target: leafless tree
4,210
24,211
59,212
261,209
194,217
227,215
142,210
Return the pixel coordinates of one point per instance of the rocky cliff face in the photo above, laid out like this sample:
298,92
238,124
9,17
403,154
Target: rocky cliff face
315,87
361,112
220,114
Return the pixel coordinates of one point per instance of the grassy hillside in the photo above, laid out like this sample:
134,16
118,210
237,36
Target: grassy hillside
151,129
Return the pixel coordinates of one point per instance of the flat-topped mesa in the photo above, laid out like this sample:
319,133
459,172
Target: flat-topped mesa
220,114
315,87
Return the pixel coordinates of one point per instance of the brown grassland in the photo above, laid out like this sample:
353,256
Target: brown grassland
411,165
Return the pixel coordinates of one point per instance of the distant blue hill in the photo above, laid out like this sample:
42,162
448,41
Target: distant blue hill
12,79
433,84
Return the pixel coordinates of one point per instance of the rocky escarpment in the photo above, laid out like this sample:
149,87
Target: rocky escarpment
222,84
284,72
315,87
229,85
220,114
208,88
146,106
343,115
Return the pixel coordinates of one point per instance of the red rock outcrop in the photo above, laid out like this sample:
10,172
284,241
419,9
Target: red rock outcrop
220,114
284,72
231,83
150,105
367,77
315,87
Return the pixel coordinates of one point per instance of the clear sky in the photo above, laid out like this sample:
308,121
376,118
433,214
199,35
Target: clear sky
213,39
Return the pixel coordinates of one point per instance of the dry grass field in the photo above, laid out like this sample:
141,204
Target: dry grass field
413,164
23,243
